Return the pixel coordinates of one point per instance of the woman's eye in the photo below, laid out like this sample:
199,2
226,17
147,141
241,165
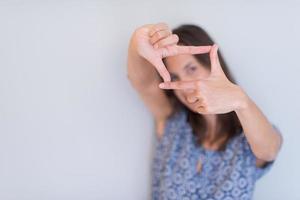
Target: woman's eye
192,69
174,78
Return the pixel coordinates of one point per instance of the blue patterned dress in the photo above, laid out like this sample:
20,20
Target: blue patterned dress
227,175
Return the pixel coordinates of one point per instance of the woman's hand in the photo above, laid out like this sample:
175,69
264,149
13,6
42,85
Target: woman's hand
215,94
156,41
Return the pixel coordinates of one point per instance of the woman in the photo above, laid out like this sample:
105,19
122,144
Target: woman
213,141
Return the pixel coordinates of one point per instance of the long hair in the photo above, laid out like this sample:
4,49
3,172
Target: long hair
227,123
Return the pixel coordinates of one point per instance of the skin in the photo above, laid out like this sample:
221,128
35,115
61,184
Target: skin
186,68
202,91
215,94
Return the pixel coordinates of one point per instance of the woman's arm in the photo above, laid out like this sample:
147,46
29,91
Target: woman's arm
264,139
144,78
143,75
150,44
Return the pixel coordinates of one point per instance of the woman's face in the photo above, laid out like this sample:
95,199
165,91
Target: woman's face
185,68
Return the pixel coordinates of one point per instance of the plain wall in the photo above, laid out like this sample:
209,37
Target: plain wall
72,127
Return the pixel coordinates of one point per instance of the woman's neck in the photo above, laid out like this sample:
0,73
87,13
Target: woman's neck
211,126
210,141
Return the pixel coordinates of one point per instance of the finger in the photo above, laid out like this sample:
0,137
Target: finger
192,49
171,40
158,27
216,68
159,35
178,85
177,50
193,99
201,109
162,70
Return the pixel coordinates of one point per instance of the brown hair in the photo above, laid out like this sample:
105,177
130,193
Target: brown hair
226,123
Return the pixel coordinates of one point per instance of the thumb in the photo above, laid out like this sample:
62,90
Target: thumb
162,70
216,68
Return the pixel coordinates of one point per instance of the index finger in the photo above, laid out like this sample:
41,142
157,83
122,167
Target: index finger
193,49
178,85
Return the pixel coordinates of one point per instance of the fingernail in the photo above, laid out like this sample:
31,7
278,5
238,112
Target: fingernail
161,85
216,46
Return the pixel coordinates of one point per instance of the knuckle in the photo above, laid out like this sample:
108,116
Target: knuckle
152,40
156,37
200,109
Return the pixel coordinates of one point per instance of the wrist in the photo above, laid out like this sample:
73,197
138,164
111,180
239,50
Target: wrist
244,100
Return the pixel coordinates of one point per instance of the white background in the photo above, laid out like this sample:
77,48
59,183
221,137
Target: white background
71,126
